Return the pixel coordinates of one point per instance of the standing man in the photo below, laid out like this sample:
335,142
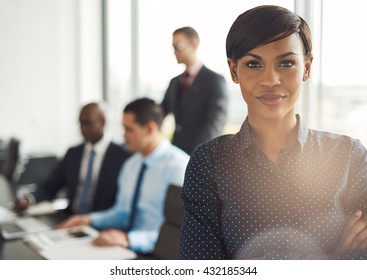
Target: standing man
88,172
135,219
197,98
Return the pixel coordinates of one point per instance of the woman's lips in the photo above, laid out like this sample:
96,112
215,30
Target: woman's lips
270,99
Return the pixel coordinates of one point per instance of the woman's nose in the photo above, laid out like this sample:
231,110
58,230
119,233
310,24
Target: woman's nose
270,77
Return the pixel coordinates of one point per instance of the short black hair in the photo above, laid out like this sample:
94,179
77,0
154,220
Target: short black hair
263,25
145,110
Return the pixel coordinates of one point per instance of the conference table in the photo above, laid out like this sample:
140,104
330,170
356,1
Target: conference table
16,249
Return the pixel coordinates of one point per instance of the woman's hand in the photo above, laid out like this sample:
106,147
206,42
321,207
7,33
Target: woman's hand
354,234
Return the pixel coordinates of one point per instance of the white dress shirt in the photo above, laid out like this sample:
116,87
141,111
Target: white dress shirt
100,149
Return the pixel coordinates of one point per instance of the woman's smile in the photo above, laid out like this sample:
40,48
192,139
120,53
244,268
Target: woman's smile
271,99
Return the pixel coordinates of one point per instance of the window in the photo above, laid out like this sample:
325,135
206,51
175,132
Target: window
156,20
118,72
141,60
342,94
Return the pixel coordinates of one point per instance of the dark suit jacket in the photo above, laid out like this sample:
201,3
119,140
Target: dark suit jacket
66,175
200,113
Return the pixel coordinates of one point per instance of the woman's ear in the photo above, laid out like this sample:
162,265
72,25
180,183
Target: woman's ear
233,69
308,63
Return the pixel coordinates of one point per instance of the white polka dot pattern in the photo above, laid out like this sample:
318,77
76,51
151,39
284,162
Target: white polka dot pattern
240,205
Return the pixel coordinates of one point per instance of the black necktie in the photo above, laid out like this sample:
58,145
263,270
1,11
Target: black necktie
136,196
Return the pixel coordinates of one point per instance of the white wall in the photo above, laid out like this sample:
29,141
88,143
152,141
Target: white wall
45,49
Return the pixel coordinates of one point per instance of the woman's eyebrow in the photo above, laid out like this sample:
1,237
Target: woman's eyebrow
278,56
254,56
286,54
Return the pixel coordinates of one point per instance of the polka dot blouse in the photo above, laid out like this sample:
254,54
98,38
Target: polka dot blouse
240,205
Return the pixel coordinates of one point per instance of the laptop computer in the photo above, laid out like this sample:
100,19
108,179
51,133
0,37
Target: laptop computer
12,226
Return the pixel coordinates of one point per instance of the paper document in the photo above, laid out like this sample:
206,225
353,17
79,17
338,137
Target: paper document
74,244
46,207
88,251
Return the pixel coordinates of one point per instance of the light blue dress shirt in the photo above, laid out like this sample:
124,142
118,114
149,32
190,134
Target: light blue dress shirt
165,166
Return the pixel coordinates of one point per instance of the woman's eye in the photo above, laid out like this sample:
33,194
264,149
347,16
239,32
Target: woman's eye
253,64
286,64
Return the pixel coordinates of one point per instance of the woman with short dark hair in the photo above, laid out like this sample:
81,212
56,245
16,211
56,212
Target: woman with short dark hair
276,189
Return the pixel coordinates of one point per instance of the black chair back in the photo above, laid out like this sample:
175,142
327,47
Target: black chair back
36,169
168,243
11,160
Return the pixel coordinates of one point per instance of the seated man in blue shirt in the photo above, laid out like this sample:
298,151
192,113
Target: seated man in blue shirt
136,225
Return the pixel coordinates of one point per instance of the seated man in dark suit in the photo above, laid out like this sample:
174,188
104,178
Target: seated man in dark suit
88,172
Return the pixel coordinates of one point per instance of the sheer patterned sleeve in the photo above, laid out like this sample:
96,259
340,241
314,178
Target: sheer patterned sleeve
201,232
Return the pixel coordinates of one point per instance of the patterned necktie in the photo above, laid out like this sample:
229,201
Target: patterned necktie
184,82
134,203
84,196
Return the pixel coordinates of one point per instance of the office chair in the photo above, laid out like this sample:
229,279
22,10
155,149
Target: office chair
168,243
36,168
11,160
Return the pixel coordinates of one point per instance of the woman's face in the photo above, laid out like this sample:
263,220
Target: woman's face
271,76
